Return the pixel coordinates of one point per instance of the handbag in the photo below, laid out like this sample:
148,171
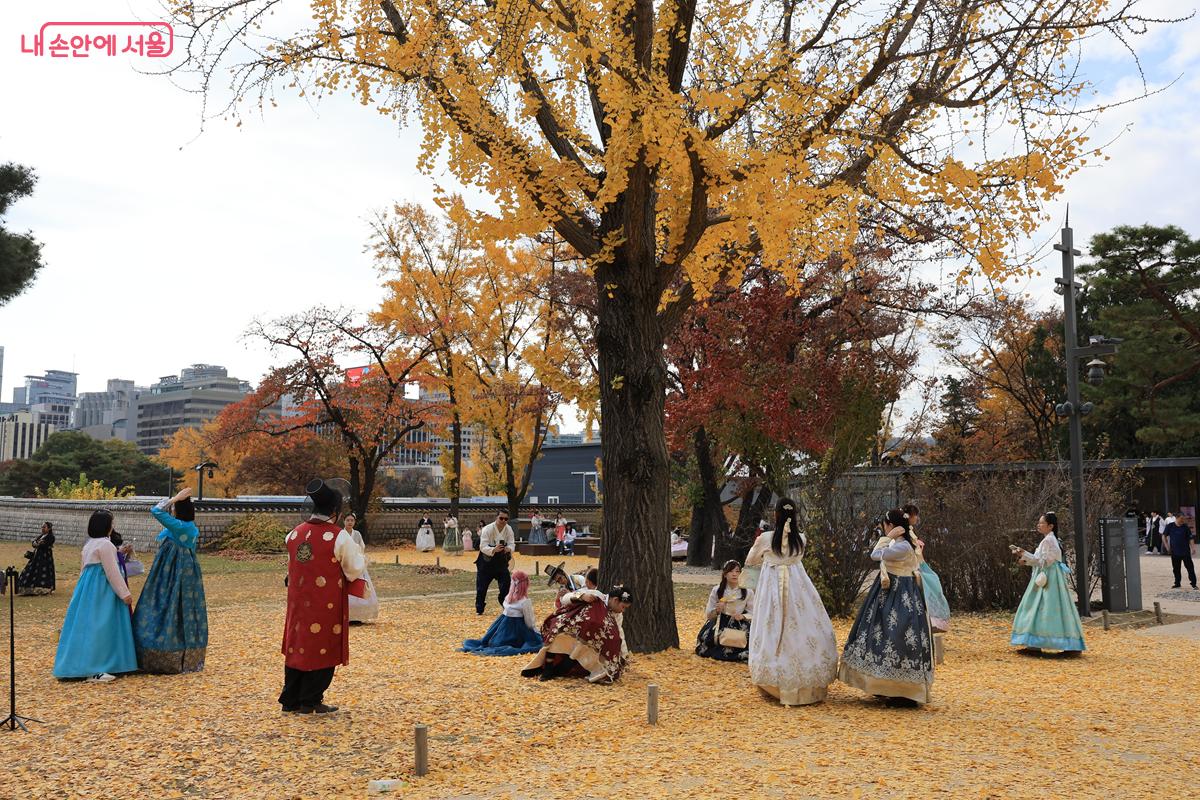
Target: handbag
731,637
28,554
1040,581
133,568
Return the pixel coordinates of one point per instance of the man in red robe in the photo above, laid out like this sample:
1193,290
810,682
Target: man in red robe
323,561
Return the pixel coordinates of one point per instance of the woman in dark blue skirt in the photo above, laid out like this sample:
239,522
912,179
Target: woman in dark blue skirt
38,575
890,649
515,631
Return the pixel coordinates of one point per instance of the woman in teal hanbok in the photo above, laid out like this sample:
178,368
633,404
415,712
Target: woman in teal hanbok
1047,618
931,585
170,625
97,636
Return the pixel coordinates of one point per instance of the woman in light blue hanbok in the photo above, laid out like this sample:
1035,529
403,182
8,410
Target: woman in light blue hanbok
931,585
97,635
1047,618
170,625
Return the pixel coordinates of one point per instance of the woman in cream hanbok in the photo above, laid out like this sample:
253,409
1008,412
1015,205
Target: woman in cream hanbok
365,608
793,653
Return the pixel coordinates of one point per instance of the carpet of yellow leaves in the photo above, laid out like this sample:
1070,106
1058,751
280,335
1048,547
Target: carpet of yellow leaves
1113,723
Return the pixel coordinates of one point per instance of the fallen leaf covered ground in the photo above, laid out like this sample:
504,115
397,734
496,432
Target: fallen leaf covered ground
1114,723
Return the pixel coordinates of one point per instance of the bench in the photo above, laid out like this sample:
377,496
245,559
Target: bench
527,549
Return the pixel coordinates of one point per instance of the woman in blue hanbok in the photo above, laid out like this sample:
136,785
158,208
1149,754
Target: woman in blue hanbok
170,625
516,630
1047,618
97,635
889,652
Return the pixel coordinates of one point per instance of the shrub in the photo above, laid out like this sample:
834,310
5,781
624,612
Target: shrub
253,533
83,489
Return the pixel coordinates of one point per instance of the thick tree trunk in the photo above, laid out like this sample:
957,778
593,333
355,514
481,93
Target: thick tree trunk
708,517
362,483
635,463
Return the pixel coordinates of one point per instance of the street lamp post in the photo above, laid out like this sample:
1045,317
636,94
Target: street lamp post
200,468
1073,409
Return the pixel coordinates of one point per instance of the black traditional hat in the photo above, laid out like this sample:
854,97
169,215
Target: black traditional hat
554,572
326,499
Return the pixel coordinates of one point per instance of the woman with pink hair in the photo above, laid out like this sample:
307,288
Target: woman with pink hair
515,631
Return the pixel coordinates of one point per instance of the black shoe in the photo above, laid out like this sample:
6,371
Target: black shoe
298,710
291,709
1176,586
532,672
321,708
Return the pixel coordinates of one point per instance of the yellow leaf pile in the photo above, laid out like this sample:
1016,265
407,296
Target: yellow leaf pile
1112,723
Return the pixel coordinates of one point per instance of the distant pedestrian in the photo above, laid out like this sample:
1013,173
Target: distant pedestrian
1182,543
1153,537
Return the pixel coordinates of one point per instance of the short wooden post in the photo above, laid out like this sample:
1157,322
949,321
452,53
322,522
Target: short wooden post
1104,615
397,560
537,568
439,562
422,750
652,704
1157,612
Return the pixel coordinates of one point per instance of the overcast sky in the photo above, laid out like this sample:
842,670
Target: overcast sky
162,242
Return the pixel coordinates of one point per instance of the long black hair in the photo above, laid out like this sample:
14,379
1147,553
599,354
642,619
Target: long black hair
785,511
726,568
898,518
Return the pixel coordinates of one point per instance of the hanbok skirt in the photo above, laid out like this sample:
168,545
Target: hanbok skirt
588,634
706,640
97,633
366,608
170,625
537,535
506,636
425,542
38,575
890,648
1047,618
793,651
468,546
452,542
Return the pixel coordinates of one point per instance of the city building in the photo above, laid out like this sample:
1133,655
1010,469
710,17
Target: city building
566,474
56,387
105,415
187,400
22,433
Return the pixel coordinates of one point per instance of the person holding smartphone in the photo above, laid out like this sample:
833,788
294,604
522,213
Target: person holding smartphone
495,553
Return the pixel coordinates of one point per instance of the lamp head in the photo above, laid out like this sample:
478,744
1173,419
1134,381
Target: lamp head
1095,373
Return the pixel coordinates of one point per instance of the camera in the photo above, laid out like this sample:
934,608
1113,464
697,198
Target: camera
501,543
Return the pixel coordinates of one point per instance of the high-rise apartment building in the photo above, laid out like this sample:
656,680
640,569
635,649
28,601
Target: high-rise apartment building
187,400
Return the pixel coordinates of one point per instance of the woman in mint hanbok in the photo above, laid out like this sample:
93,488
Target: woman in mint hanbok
931,585
1047,618
170,625
97,635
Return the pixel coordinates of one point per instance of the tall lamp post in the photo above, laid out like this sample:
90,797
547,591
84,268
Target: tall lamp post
200,468
1073,409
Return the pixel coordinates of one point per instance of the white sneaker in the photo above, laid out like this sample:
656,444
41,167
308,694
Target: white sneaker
103,677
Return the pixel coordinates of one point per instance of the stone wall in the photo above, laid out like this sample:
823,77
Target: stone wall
21,518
